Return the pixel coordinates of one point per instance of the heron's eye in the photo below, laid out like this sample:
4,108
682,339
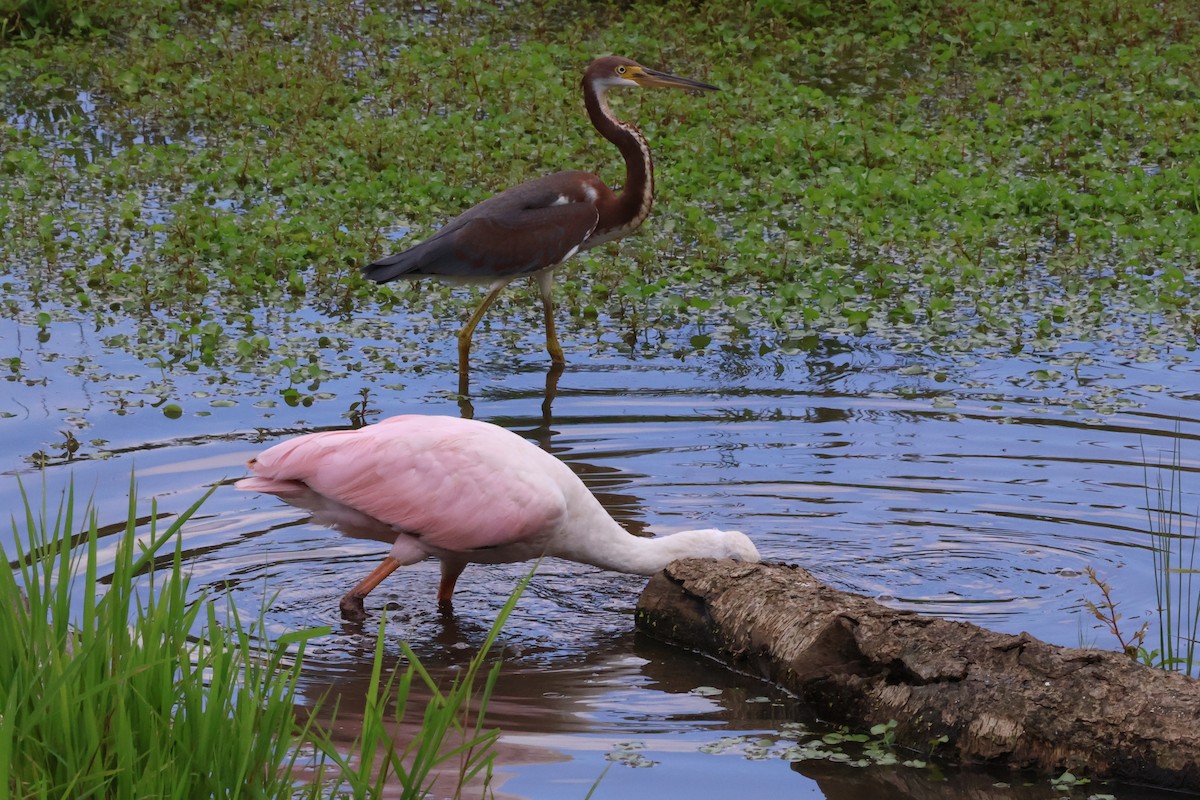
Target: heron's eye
620,70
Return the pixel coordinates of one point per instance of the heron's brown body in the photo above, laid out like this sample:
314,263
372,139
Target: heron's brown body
535,226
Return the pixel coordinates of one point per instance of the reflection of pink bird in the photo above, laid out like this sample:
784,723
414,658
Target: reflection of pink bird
462,491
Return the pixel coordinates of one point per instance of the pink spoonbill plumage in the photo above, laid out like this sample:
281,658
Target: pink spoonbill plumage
462,491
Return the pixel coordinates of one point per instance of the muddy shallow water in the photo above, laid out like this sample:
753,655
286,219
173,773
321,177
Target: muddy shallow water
976,490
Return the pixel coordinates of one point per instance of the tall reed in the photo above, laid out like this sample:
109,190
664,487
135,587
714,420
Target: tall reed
124,698
452,730
1174,534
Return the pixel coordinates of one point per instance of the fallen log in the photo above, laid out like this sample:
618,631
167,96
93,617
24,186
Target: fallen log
999,699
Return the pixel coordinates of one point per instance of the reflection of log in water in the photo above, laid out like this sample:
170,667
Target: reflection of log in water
1000,699
839,782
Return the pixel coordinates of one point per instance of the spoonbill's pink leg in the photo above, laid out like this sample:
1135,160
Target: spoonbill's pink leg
450,573
352,604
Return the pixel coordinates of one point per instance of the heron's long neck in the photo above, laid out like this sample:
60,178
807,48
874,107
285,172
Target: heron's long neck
622,213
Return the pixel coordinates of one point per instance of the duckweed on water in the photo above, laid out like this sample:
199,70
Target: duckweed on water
796,742
629,754
199,185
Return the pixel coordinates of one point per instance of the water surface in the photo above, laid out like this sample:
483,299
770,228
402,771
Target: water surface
974,490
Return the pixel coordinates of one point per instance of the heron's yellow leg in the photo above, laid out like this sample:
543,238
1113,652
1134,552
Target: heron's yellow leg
545,284
468,330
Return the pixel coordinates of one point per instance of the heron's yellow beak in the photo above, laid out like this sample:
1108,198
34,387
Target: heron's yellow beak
644,76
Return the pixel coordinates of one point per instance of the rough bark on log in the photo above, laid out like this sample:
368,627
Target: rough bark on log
1000,699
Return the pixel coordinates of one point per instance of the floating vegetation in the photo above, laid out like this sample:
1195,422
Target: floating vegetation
630,754
797,742
191,195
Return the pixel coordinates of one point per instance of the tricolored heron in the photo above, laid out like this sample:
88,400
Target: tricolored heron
463,492
535,226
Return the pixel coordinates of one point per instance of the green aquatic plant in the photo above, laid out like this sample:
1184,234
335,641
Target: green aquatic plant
105,687
125,685
24,18
795,742
1174,533
452,730
979,177
1106,612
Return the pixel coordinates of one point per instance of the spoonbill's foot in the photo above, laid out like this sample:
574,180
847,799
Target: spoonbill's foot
352,608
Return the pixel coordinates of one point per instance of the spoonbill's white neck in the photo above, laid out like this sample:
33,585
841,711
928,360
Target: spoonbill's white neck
621,551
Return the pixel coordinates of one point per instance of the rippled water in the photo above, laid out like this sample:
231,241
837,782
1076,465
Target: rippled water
970,490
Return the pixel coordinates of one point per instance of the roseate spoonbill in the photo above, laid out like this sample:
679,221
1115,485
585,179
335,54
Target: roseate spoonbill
462,491
533,227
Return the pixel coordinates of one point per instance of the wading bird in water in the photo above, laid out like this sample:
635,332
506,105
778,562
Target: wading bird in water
535,226
462,491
